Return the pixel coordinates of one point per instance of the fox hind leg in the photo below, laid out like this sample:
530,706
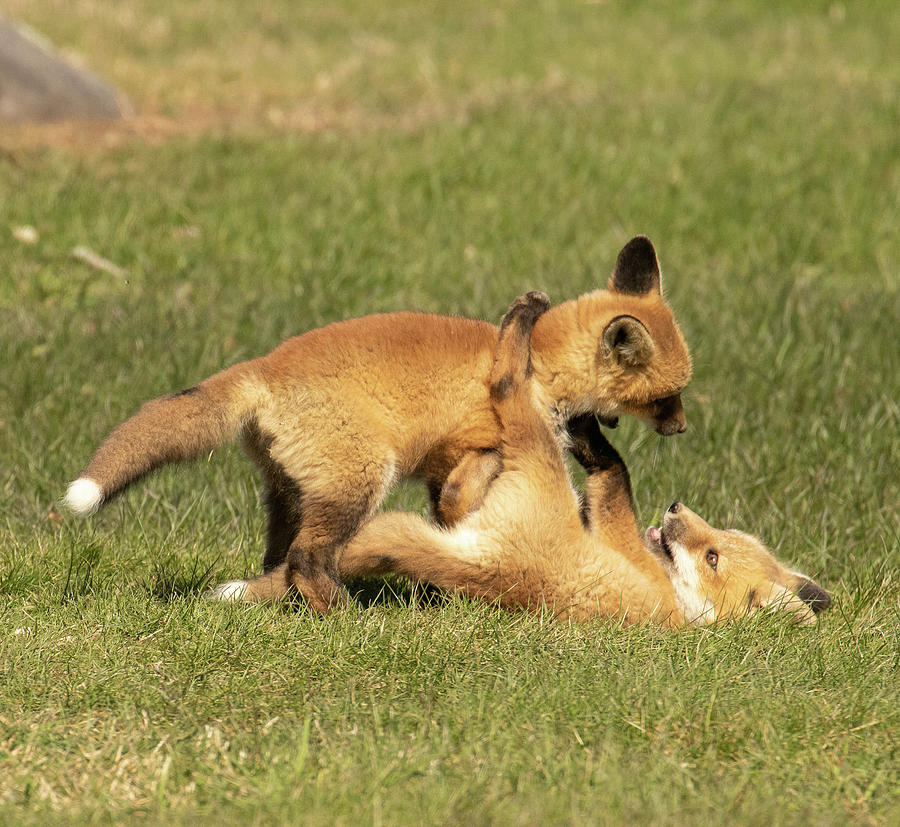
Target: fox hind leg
464,488
334,507
313,515
284,504
282,498
313,558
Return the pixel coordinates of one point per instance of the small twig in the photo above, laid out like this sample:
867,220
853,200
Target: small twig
96,261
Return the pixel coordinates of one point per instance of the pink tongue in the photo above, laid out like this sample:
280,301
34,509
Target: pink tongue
654,534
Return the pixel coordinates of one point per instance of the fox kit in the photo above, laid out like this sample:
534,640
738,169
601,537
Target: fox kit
334,417
532,544
724,572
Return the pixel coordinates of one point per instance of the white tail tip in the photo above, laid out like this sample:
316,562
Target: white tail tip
83,497
232,591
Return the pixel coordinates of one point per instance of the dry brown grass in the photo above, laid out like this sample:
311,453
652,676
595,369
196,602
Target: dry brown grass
274,69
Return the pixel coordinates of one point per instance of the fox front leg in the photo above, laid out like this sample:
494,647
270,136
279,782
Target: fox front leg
609,504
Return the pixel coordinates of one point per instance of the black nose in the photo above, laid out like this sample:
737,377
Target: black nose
675,507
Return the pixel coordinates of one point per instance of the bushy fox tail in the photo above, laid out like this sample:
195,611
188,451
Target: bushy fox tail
171,428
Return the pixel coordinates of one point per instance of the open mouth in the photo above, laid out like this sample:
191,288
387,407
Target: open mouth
658,537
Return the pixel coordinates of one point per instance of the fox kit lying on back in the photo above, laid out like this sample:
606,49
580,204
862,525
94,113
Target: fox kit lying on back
335,416
531,544
724,572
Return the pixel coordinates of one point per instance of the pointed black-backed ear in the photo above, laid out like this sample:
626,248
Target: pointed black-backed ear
627,341
637,269
812,594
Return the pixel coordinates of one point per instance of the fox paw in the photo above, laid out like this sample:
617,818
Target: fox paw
512,362
589,445
526,310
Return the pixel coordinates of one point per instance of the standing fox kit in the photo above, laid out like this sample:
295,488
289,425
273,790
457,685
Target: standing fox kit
532,544
334,417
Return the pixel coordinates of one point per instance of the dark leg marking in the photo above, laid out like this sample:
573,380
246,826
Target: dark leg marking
752,599
526,309
283,497
502,388
283,500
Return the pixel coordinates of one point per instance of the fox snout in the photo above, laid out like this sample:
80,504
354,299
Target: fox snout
677,519
668,416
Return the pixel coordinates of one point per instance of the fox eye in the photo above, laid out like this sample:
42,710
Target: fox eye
712,558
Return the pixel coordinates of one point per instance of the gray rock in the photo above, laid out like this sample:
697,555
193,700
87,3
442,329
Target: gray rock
36,84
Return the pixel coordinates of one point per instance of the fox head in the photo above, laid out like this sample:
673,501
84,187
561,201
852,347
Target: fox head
617,351
720,573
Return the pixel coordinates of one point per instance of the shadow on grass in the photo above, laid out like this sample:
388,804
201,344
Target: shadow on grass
173,581
84,555
394,592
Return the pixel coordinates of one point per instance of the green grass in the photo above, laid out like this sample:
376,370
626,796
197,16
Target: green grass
449,158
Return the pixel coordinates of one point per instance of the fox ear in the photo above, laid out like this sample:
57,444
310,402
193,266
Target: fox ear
627,341
788,600
637,269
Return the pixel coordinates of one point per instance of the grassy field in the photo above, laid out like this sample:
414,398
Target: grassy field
291,164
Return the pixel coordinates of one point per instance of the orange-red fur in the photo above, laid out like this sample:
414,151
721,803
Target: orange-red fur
530,546
335,416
